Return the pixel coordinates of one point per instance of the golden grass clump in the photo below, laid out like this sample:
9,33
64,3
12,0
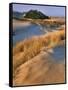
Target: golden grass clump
27,50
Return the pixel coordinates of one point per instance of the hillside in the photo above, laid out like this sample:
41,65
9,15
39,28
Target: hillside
18,15
33,14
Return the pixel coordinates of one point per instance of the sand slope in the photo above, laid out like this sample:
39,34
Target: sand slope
40,70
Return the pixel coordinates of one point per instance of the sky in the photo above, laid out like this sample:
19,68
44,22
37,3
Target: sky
47,10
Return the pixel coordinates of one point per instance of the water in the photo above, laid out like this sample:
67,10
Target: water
20,33
59,53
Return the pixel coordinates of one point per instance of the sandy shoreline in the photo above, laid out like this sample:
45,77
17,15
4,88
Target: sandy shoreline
17,23
27,22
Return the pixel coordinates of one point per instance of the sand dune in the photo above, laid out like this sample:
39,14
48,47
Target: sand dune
32,64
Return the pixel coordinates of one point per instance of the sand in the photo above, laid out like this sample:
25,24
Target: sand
42,69
17,23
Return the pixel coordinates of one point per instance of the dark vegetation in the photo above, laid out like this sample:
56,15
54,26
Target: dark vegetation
33,14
